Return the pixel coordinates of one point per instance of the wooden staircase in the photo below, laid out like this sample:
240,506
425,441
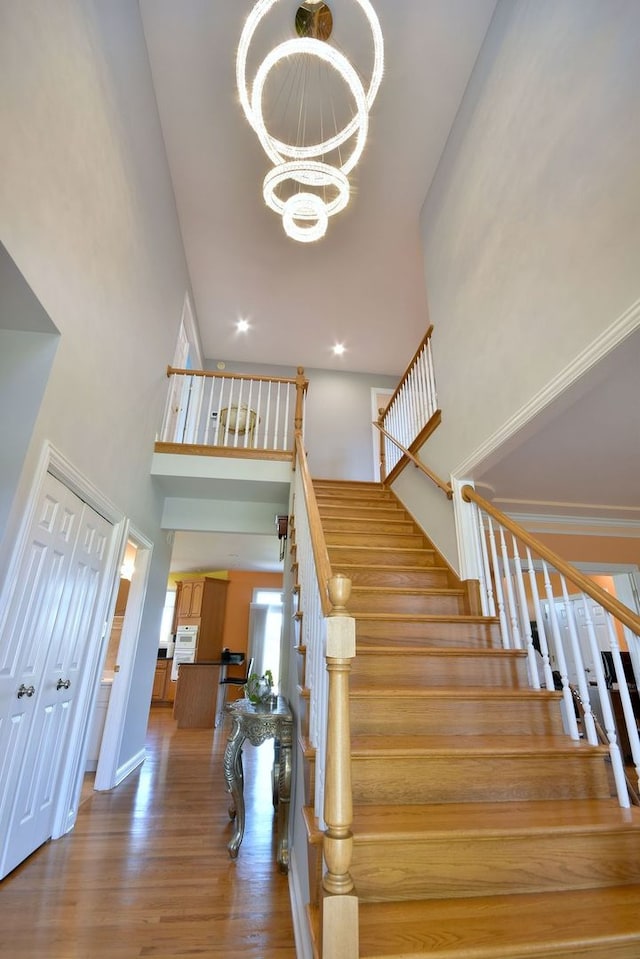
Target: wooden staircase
481,831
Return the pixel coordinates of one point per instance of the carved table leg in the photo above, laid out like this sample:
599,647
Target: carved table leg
284,796
235,784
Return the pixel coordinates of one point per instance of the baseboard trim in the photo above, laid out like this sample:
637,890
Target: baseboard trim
127,768
301,934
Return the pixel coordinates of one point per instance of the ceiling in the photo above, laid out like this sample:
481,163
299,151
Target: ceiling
367,272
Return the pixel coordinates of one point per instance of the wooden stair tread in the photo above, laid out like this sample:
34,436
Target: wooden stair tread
365,649
452,746
598,923
487,693
411,590
387,568
460,820
427,618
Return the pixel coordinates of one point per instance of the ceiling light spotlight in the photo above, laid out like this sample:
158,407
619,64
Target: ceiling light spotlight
338,349
308,182
242,326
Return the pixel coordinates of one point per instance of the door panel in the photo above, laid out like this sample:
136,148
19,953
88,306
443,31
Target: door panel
50,624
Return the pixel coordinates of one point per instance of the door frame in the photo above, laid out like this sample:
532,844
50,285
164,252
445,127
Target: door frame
375,392
108,773
52,461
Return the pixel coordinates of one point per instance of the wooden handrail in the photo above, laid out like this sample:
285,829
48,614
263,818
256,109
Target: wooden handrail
320,553
584,584
440,483
235,376
406,373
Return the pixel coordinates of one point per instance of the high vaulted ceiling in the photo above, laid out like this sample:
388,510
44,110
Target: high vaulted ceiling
366,275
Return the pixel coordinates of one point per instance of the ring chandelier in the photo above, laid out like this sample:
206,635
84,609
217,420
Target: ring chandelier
321,188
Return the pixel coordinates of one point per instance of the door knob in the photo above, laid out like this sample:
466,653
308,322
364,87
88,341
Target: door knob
63,684
26,691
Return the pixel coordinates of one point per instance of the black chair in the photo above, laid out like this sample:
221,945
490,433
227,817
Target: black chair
234,681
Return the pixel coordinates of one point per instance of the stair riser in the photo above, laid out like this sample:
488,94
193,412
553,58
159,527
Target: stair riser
393,716
405,604
416,868
399,579
387,541
456,634
407,671
380,511
379,556
356,525
477,778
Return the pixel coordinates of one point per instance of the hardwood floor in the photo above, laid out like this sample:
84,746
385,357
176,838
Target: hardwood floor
146,871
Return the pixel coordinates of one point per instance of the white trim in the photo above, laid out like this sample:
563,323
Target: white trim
301,935
53,461
584,361
130,766
578,525
107,769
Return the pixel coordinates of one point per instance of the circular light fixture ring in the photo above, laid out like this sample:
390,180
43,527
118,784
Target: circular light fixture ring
261,9
308,173
275,149
305,206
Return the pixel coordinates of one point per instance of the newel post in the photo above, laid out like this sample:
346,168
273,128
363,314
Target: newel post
339,902
301,388
383,455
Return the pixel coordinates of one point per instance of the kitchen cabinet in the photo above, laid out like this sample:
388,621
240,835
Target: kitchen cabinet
190,598
205,600
159,680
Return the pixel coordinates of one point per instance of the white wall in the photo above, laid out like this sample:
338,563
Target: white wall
337,417
88,217
531,228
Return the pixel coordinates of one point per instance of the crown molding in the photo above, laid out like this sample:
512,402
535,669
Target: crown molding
619,330
578,525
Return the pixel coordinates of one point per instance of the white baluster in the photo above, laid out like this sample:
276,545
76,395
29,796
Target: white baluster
238,418
486,597
424,387
625,698
560,656
248,432
277,419
285,425
256,442
525,621
497,579
511,604
267,416
542,633
211,381
578,660
432,379
607,711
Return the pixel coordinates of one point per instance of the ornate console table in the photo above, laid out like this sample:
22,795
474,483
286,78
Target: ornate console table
257,724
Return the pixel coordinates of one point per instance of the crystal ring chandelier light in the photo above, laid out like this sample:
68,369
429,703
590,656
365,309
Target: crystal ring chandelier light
307,185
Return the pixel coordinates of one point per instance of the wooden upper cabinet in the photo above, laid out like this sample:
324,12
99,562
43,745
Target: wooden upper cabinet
190,598
202,603
197,592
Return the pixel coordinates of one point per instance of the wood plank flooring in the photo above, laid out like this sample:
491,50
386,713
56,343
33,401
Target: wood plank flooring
146,871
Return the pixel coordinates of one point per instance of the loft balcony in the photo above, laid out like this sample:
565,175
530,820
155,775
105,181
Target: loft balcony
224,454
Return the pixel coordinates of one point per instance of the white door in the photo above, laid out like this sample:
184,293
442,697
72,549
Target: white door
599,622
49,623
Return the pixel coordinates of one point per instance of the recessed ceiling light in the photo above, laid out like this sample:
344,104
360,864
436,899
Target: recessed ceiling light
338,349
242,326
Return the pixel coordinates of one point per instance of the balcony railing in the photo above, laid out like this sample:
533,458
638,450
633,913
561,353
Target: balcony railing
232,414
412,412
